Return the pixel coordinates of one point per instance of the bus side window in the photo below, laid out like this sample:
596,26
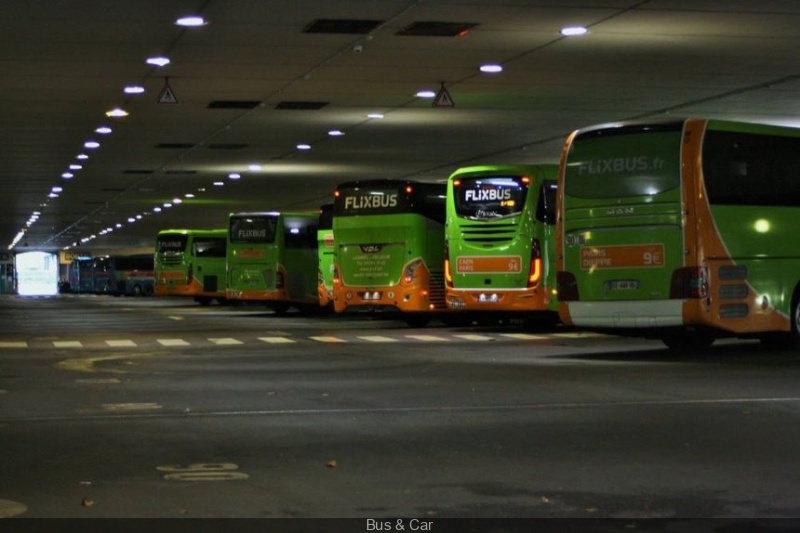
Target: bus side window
546,207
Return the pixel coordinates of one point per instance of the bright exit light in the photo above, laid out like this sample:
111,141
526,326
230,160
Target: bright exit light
762,225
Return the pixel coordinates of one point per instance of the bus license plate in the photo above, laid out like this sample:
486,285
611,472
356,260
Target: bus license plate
624,285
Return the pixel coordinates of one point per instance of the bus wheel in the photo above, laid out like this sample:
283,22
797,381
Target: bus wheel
137,290
784,340
688,340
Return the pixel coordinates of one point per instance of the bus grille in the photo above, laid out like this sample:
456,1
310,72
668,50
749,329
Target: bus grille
489,233
436,290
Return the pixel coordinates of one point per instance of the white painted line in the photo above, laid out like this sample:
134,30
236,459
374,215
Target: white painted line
581,335
226,341
131,406
470,337
427,338
377,338
68,344
13,344
173,342
328,339
121,344
276,340
523,336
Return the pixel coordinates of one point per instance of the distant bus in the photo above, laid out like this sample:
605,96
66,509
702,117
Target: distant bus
682,230
389,242
129,275
325,254
191,262
500,240
80,275
272,259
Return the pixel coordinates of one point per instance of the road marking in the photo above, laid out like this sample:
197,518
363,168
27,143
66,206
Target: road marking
13,344
276,340
68,344
427,338
173,342
377,338
523,336
98,381
203,472
470,337
226,341
327,339
123,343
116,407
9,508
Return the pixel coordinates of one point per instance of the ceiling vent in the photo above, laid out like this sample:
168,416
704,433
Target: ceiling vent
181,172
437,29
174,146
138,172
352,26
301,105
113,189
234,104
226,146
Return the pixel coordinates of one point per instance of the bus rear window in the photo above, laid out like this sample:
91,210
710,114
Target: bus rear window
171,243
371,200
209,247
253,229
488,197
623,164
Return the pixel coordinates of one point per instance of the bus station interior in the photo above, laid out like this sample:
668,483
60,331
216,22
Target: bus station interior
120,121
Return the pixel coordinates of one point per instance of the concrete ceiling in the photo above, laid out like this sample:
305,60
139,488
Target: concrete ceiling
64,63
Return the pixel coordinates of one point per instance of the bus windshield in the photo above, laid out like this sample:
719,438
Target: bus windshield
488,197
171,243
256,229
645,162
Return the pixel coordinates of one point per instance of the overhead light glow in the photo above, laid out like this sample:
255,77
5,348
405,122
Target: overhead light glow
133,89
254,167
426,93
335,133
103,130
219,184
158,61
91,145
188,195
491,68
156,209
234,175
117,112
574,31
375,115
67,175
304,146
82,157
191,22
75,167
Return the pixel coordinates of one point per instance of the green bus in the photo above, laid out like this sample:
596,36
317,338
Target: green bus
191,262
272,259
500,240
389,248
681,230
325,256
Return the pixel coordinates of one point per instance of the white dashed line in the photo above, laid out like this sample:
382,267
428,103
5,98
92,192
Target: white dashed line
68,344
427,338
523,336
276,340
327,339
13,344
377,338
173,342
226,341
121,343
469,337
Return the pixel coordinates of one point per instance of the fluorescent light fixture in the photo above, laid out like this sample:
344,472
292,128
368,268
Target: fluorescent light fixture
75,167
491,68
91,145
67,175
219,184
191,21
158,61
82,157
57,189
254,167
117,112
131,220
335,133
167,205
103,130
304,146
133,89
156,210
574,31
188,195
176,201
426,93
375,115
234,175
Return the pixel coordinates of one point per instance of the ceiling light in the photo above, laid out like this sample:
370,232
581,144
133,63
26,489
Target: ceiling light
491,68
191,22
91,145
67,175
156,209
133,89
158,61
375,115
167,204
117,112
255,167
176,201
235,175
75,167
335,133
188,195
103,130
574,31
426,93
304,146
131,220
219,184
82,157
57,189
52,195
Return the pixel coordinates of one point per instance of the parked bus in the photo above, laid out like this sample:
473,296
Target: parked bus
500,240
80,275
272,259
325,255
389,242
191,262
130,275
682,230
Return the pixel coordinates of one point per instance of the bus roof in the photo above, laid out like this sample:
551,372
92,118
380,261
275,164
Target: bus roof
678,123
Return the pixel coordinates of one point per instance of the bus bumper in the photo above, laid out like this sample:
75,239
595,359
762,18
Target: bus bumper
626,313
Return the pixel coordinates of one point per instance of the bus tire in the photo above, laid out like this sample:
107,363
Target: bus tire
790,339
137,290
688,340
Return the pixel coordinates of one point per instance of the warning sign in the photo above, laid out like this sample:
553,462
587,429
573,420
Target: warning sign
443,99
167,96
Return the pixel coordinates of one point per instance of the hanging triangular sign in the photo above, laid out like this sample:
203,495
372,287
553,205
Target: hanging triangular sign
166,96
443,98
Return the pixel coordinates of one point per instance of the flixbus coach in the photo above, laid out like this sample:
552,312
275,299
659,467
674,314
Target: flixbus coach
272,259
500,240
191,262
389,248
325,256
681,229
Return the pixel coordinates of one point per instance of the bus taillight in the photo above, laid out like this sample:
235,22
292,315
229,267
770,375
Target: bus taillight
535,274
448,274
689,282
410,271
567,287
337,278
